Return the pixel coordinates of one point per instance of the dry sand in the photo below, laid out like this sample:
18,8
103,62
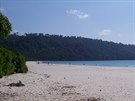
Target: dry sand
49,82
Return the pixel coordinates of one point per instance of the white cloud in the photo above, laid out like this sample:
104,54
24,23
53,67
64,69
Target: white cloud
77,13
105,32
2,10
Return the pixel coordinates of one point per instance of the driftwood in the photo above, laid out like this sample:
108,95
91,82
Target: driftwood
18,84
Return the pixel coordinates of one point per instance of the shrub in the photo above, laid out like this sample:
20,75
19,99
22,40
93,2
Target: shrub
19,62
11,62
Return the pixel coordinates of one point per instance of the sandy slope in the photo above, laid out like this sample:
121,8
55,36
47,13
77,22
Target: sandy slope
50,82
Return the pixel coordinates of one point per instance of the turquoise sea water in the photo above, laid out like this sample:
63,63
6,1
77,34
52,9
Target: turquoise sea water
111,63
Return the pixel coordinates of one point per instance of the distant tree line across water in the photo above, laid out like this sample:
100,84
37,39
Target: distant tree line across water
37,46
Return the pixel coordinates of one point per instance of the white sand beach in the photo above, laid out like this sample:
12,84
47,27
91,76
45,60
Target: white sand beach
55,82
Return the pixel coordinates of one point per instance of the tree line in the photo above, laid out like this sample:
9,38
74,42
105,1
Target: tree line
39,46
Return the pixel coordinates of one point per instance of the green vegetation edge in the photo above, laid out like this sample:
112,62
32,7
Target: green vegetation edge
11,62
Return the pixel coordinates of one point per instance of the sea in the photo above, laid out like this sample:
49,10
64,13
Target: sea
110,63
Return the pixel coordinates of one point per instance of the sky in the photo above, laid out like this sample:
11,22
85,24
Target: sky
109,20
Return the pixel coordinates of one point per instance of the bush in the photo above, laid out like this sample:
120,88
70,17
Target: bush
19,63
11,62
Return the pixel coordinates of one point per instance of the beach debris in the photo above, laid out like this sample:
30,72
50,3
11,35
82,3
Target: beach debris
64,77
93,99
47,76
69,86
70,93
90,99
38,62
5,96
18,84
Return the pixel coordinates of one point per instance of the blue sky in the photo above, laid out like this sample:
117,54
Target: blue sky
111,20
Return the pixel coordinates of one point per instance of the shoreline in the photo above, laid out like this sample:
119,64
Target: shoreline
83,64
88,66
58,82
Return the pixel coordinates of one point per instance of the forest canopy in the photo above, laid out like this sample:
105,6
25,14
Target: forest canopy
38,46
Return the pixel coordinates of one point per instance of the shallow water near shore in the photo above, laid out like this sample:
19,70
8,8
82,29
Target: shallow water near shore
110,63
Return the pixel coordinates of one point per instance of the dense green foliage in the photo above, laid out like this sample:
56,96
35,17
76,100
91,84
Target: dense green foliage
57,47
11,62
5,26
